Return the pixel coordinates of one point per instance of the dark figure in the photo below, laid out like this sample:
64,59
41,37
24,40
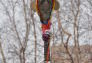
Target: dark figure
44,9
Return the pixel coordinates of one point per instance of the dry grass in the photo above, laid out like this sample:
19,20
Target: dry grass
59,54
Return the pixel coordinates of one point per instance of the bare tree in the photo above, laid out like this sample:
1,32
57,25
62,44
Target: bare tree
22,44
75,11
69,35
33,21
2,53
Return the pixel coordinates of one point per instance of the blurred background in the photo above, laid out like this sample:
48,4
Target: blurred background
21,36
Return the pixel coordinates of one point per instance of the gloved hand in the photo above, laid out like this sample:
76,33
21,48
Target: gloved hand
46,37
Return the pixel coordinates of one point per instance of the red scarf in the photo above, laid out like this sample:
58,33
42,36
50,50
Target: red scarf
46,27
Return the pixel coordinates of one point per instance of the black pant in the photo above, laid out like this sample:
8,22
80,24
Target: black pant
46,51
46,38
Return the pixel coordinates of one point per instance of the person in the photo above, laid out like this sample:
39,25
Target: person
44,9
